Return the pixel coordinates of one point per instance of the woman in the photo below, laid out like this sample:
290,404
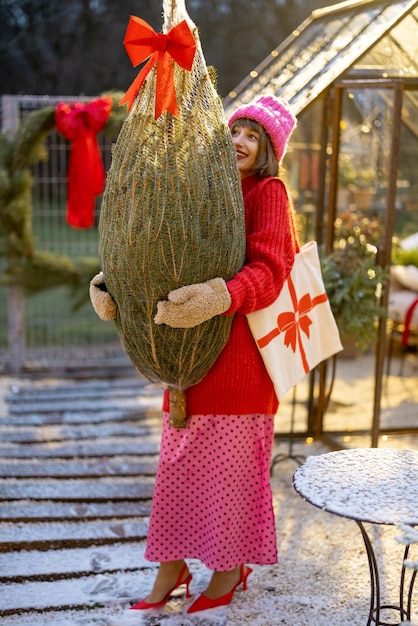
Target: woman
212,499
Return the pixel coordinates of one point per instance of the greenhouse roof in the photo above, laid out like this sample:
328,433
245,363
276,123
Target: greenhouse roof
373,39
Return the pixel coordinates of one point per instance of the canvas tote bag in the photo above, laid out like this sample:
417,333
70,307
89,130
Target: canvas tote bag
297,331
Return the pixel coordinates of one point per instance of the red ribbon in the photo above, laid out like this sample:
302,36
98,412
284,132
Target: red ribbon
79,123
293,322
142,42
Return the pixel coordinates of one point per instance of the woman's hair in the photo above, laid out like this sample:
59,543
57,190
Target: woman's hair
266,162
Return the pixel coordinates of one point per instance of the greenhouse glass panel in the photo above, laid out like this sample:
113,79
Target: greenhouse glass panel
410,113
365,160
301,169
406,222
397,54
325,46
366,130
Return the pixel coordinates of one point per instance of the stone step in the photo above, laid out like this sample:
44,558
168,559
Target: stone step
111,466
101,489
58,535
85,389
88,405
77,472
56,564
98,616
27,434
90,448
143,414
28,511
88,591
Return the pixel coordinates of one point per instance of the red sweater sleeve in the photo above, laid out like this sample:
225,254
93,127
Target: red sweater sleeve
270,250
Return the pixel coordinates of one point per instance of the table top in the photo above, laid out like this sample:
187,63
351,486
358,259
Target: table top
377,485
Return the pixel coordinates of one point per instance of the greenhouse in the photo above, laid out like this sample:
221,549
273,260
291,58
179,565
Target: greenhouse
350,72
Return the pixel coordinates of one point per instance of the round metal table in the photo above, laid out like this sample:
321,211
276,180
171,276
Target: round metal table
368,485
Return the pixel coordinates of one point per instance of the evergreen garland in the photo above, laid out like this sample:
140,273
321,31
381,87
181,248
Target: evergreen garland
18,151
33,270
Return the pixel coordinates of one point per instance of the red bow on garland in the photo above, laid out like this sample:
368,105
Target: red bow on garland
293,322
80,123
142,42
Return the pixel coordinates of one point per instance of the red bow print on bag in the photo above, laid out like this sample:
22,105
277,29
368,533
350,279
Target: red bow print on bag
80,123
142,42
293,322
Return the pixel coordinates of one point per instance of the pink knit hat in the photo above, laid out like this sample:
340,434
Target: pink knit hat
275,117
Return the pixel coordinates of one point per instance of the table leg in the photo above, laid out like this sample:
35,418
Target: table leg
375,606
406,614
298,458
374,610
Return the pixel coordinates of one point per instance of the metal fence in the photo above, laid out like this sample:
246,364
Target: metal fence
55,337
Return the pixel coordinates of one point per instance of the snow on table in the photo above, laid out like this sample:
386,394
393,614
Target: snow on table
376,485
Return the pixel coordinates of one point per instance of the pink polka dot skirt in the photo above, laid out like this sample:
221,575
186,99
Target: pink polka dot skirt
212,499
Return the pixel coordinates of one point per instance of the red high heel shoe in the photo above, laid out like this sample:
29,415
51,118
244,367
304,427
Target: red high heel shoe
203,602
156,605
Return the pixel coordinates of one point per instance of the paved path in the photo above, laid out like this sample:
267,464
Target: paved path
77,467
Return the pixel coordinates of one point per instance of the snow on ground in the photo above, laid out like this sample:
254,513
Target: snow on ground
322,578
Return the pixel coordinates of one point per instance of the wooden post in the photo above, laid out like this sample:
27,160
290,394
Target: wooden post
385,255
16,329
15,298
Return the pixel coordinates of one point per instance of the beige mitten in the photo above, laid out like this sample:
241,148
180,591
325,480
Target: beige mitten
191,305
102,301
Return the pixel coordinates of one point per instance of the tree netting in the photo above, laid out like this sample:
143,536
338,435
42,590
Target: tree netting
172,215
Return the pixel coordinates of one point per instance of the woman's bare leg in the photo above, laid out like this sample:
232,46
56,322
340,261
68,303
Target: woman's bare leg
222,583
167,576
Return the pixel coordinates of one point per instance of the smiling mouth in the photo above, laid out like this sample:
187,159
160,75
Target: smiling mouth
241,155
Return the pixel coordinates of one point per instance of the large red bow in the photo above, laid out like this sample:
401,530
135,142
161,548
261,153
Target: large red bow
293,322
79,123
142,42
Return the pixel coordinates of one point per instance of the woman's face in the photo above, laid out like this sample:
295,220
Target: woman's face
246,142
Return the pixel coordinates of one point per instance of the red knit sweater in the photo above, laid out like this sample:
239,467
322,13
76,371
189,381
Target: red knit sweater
238,382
